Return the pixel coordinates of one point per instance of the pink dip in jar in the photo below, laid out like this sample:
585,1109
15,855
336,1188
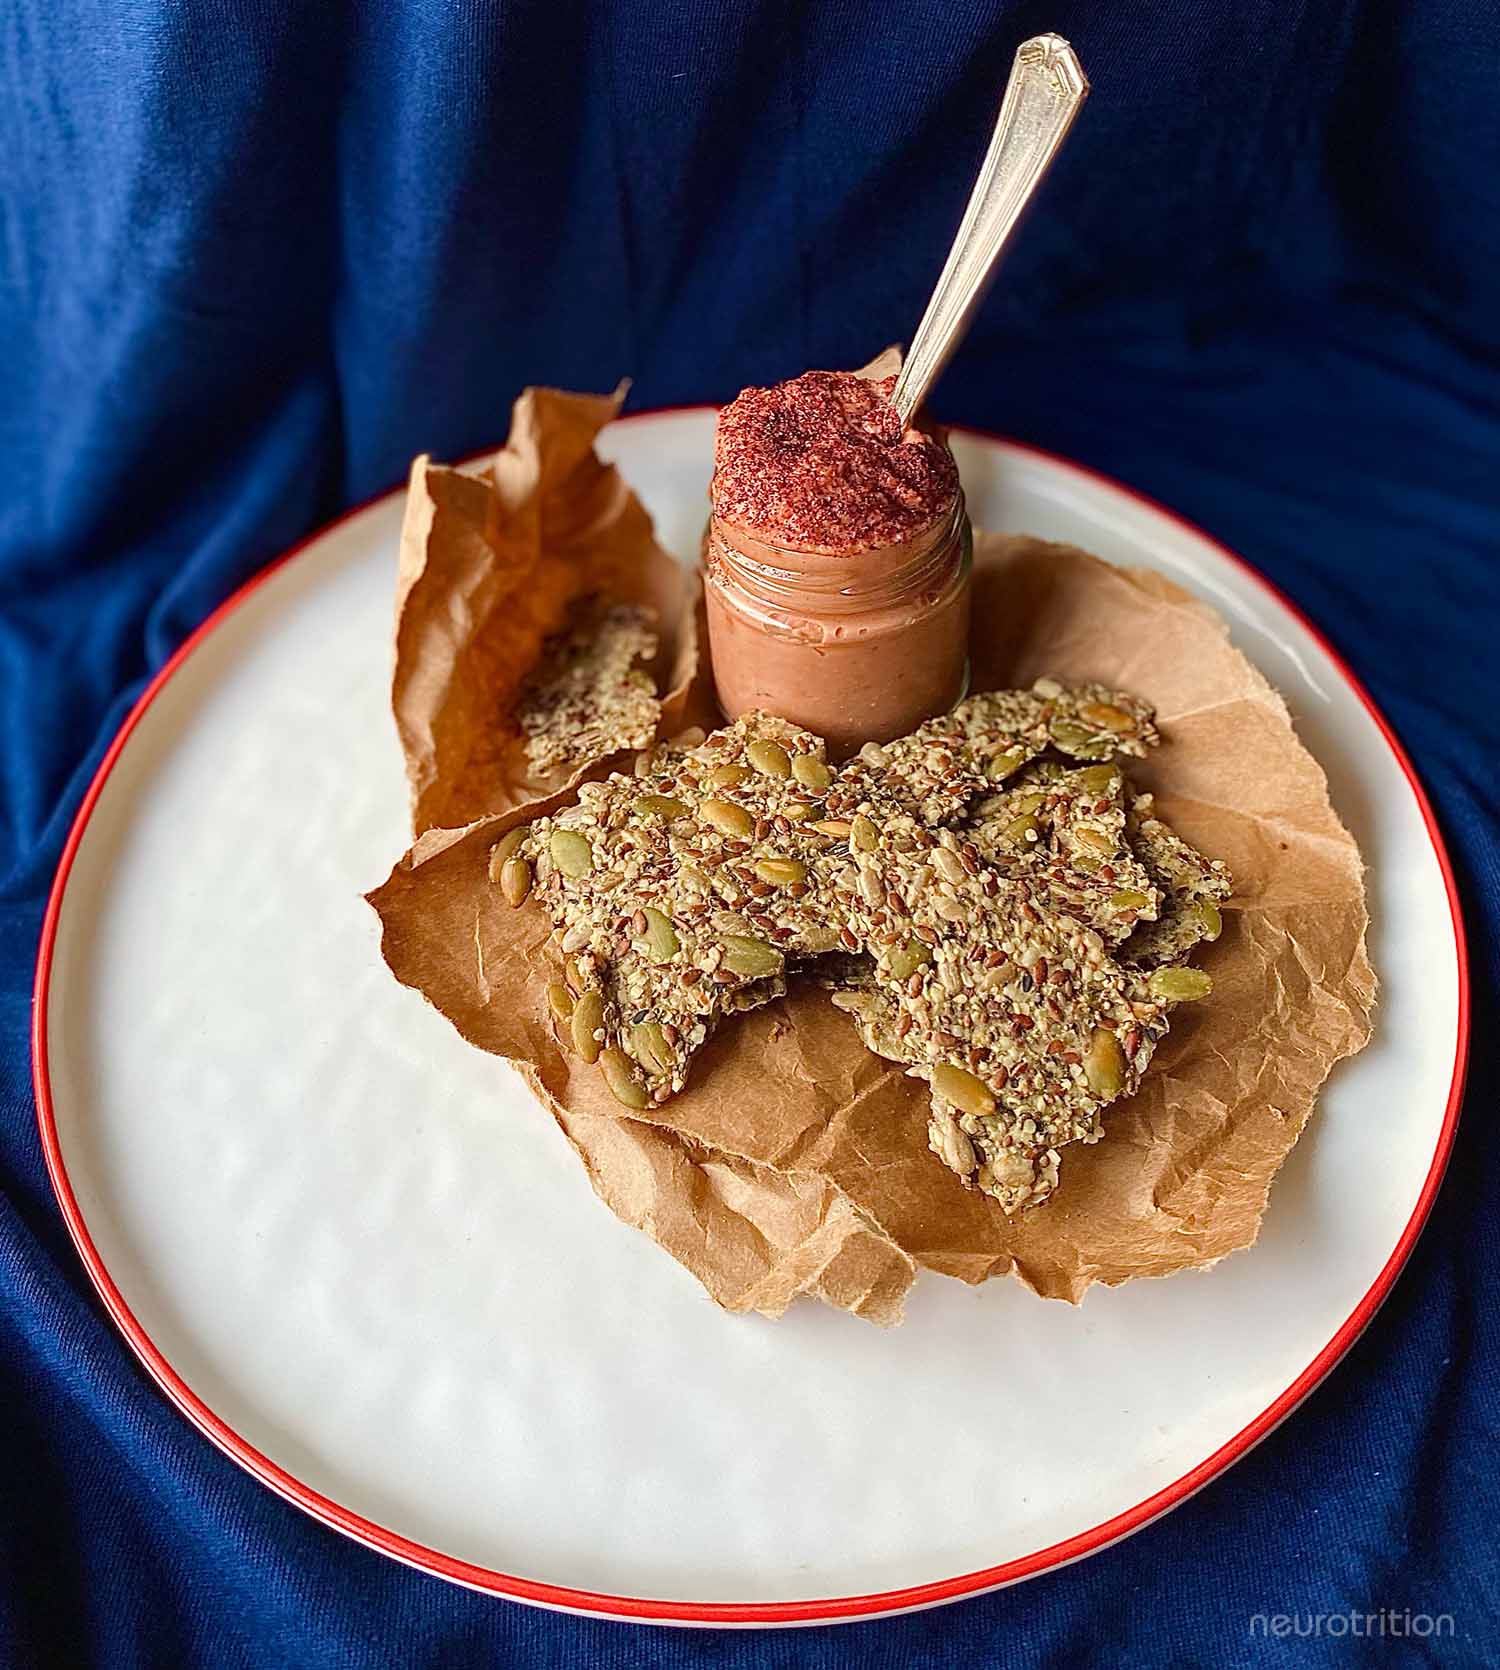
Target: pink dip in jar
836,561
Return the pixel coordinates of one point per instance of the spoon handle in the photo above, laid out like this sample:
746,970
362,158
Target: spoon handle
1045,92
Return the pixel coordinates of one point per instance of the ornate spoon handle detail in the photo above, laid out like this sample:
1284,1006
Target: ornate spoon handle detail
1045,92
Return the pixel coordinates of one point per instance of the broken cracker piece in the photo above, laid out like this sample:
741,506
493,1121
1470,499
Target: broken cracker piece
944,765
1012,1010
589,699
681,892
1191,887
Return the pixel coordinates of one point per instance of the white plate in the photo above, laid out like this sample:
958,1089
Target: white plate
358,1256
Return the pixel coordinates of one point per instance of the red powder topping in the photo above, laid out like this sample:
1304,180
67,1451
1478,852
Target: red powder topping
821,463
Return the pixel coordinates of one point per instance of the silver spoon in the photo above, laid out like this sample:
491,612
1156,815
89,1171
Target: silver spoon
1045,92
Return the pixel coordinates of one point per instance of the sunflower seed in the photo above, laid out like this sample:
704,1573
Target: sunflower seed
948,865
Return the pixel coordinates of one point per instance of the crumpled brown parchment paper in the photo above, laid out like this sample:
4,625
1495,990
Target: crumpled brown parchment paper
796,1162
491,563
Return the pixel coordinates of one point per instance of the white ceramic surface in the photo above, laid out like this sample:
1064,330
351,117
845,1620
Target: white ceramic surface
373,1258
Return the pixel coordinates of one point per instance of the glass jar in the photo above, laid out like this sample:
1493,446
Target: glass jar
857,646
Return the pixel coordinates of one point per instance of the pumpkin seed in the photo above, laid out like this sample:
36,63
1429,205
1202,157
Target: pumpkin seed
515,881
818,941
1098,779
571,852
726,776
651,1048
905,960
560,1000
619,1075
1104,1065
781,872
588,1019
726,817
1095,839
1206,914
863,834
659,935
573,975
1006,764
660,806
505,849
966,1092
752,958
811,773
1022,831
798,811
1128,899
1078,740
837,829
1106,716
769,758
1180,985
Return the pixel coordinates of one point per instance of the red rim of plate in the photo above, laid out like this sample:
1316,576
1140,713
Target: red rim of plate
727,1613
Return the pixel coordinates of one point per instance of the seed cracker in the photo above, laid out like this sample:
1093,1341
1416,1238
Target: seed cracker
1069,828
1191,887
658,887
947,763
1022,1024
589,698
979,955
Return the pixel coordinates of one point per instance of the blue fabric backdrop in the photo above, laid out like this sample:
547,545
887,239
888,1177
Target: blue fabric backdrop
253,255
